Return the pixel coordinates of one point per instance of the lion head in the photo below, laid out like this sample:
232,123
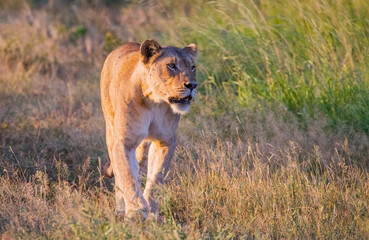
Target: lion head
171,74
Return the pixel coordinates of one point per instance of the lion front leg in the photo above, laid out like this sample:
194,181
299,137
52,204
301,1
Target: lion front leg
159,159
129,198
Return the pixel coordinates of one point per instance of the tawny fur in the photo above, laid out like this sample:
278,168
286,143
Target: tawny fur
137,85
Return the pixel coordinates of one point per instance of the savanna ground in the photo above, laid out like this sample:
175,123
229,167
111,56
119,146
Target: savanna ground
275,145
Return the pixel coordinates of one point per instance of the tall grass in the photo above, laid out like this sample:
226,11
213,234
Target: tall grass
275,145
215,189
308,56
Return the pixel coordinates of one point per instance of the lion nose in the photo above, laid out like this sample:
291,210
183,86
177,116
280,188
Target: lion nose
190,86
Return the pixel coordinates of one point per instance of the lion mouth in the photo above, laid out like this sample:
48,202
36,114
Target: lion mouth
185,100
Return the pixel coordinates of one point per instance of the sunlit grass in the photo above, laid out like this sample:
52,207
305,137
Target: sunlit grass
215,189
309,56
275,145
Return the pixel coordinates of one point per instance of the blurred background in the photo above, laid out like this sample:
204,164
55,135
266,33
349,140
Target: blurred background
275,145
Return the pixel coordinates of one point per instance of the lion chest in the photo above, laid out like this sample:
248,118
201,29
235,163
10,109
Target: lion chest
163,126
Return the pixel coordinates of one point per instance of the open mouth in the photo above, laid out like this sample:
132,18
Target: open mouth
185,100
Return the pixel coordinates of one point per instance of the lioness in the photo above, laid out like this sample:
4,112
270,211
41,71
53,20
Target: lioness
145,88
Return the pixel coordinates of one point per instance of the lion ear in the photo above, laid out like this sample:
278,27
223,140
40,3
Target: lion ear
192,50
148,49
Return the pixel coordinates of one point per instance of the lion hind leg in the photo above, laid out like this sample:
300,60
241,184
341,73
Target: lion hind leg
108,170
142,152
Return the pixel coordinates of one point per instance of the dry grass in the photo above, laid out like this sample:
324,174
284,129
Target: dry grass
215,189
242,170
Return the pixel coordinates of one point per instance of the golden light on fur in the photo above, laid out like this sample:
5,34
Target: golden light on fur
144,90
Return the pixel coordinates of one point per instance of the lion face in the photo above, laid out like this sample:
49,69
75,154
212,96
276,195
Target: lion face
172,74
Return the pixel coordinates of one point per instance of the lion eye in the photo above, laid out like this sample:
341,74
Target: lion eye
193,68
171,66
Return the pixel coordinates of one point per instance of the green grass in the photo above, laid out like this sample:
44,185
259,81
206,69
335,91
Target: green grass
307,56
275,145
